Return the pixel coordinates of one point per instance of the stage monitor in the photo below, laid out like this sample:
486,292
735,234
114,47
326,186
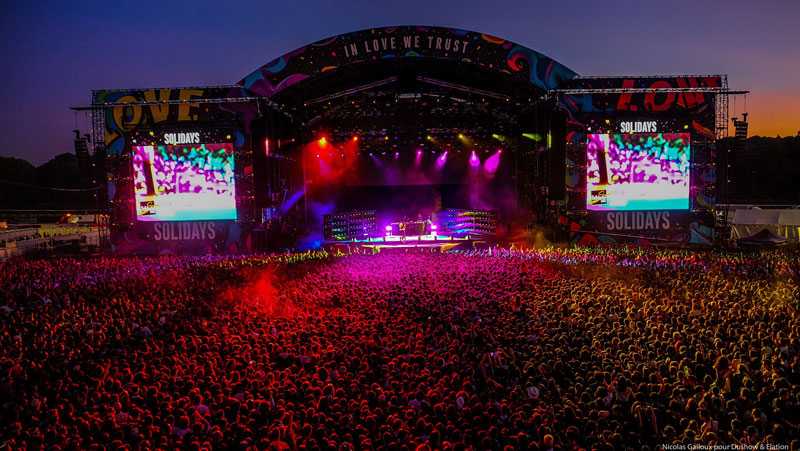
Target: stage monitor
637,171
186,182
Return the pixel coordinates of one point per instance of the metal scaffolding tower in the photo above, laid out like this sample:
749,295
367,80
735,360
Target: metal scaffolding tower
98,130
722,109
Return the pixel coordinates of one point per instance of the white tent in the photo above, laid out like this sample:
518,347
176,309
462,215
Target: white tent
747,222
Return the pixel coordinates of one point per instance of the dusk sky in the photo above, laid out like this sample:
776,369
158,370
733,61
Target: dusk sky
55,53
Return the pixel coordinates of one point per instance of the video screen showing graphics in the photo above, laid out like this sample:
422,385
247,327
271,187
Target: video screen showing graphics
638,171
185,182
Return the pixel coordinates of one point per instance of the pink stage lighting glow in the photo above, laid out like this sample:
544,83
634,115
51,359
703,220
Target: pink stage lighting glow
388,228
434,227
418,158
474,161
491,164
441,161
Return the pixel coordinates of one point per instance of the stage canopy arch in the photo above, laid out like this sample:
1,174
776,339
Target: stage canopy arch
402,55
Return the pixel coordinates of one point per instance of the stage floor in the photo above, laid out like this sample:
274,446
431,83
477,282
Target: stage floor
441,242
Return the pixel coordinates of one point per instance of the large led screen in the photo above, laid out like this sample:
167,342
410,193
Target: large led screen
185,182
638,171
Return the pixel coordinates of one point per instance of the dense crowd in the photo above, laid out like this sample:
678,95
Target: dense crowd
498,349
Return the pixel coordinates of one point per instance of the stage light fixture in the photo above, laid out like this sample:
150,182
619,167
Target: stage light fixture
429,138
434,227
474,161
388,228
460,136
500,138
355,138
533,136
322,141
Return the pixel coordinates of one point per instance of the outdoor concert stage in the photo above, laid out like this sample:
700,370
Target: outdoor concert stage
408,122
432,242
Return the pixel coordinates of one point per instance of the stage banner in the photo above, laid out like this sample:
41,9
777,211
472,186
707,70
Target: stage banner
642,103
373,45
160,107
639,227
636,222
183,238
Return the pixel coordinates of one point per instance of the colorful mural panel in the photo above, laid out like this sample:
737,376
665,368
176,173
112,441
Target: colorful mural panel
376,44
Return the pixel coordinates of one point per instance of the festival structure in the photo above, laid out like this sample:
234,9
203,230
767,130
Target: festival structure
410,136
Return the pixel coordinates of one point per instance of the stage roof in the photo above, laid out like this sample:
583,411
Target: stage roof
354,59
